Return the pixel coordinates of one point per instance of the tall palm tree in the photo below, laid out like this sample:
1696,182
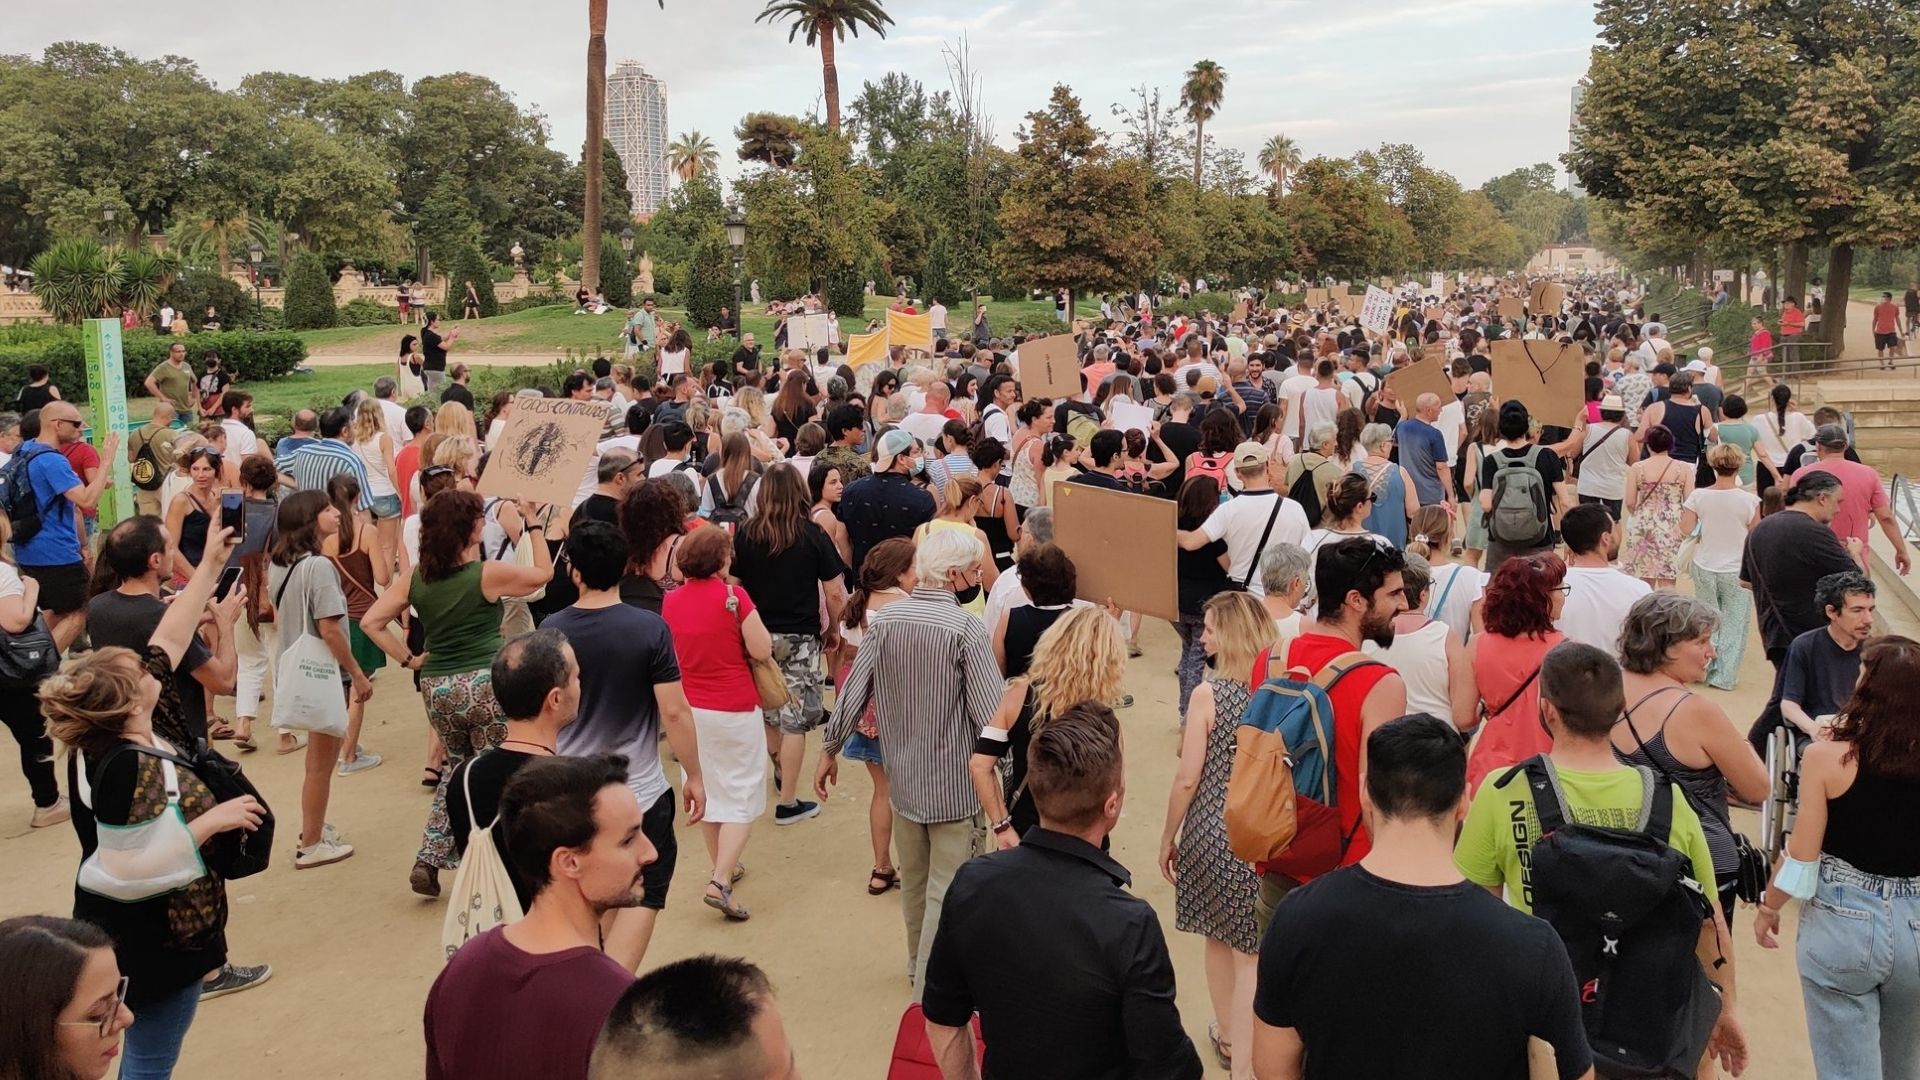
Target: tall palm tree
591,154
1278,159
825,22
692,155
1200,96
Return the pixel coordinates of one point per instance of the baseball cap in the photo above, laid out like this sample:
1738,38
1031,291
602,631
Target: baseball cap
1831,436
1696,365
1248,454
892,445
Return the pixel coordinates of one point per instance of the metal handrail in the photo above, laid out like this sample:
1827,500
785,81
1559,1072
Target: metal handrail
1906,510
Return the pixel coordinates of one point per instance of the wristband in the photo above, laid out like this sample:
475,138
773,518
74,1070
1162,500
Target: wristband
1003,825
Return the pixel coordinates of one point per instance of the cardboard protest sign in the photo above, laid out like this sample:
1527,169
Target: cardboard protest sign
1121,545
1424,376
1512,308
1317,298
1546,298
910,331
863,349
1127,416
1239,312
1433,313
544,450
1049,367
1437,283
809,331
1436,350
1549,378
1376,310
1487,282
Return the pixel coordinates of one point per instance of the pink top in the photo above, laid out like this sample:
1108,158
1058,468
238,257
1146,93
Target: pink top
706,638
1503,666
1860,495
1762,344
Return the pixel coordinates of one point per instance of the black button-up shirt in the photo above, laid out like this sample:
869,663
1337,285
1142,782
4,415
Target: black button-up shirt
1068,970
881,507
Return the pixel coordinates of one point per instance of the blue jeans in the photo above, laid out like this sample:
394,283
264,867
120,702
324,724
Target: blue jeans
1859,961
159,1027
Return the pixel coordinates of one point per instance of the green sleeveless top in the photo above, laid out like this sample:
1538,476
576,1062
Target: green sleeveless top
462,625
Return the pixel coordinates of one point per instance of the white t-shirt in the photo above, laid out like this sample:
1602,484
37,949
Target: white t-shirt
667,464
1455,588
1240,521
673,362
1777,443
10,583
1291,388
1453,417
938,314
1724,515
996,425
1596,606
241,441
392,414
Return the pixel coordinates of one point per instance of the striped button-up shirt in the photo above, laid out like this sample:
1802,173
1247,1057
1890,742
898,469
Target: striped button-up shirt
319,461
927,668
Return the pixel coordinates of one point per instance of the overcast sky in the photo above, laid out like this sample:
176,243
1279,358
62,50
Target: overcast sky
1480,86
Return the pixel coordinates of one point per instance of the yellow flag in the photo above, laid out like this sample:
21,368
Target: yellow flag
910,331
863,349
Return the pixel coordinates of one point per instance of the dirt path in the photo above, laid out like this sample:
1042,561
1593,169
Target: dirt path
354,952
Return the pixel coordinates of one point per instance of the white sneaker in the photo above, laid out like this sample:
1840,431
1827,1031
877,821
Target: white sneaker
361,763
51,815
326,851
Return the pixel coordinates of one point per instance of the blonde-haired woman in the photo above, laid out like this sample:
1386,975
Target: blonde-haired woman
753,401
1080,658
375,446
960,507
454,418
1213,891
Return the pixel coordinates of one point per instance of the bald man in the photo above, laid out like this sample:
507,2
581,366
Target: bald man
1423,453
152,441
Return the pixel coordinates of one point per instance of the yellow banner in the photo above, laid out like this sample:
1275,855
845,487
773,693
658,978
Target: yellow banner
863,349
910,331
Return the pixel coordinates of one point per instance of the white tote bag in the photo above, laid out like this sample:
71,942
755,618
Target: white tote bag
482,896
307,695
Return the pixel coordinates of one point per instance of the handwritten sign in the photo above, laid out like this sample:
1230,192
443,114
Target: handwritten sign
809,331
1546,298
1376,310
1549,378
1049,368
1127,416
545,449
1436,350
1437,283
1512,308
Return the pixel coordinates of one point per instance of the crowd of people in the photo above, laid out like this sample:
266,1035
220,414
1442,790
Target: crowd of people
1471,608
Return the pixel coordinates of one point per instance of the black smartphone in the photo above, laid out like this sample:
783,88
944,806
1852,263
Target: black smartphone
227,579
233,513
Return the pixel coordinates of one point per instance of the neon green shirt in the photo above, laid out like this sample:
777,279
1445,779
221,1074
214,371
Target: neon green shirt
1502,822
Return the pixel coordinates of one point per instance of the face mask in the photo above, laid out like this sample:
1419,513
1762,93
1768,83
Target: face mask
967,595
919,466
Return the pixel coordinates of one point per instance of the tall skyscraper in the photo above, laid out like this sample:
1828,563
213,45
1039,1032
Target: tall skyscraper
637,127
1573,135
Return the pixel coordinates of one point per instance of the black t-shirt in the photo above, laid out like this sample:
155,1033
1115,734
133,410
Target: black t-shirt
491,770
459,393
1552,469
786,587
1466,978
435,354
1787,554
1096,479
114,618
1182,439
1201,575
1819,674
598,507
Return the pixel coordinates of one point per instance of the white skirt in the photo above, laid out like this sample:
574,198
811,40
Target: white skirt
733,763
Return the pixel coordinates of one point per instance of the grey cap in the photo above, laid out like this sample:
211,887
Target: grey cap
1831,436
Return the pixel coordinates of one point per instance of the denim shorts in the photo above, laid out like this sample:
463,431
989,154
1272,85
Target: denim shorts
386,506
860,748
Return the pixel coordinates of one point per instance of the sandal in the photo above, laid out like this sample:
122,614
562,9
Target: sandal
1222,1049
724,903
244,740
888,878
218,730
299,744
431,777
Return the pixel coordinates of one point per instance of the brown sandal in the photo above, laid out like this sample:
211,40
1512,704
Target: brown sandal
889,879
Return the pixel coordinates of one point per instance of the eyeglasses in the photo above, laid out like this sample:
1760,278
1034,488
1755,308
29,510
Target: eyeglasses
1565,589
64,420
104,1025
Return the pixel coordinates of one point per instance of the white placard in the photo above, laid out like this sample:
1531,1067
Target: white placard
1376,312
1437,284
1723,275
808,331
1130,417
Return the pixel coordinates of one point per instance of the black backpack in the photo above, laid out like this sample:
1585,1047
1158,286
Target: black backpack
1305,492
729,511
1624,903
17,497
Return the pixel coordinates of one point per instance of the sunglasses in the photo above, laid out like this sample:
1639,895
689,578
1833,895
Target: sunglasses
104,1025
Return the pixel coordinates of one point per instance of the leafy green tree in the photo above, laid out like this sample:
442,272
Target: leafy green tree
1071,215
309,297
1506,190
769,138
76,279
616,272
709,280
825,23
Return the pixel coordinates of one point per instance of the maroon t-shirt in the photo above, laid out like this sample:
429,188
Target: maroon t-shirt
499,1013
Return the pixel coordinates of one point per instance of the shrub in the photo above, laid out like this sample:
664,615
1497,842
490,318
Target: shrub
1211,303
362,311
709,282
251,357
533,300
1732,327
198,289
471,266
616,272
846,293
309,297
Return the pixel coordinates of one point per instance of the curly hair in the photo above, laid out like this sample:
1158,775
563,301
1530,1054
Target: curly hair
88,702
1079,658
651,512
446,532
1656,623
1518,602
1879,722
1219,432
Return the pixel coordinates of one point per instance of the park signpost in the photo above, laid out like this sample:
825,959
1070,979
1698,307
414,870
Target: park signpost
107,392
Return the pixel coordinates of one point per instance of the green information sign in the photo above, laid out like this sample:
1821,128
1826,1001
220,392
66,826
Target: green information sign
107,393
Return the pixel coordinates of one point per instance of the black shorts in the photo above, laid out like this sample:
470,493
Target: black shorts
1886,341
1613,505
657,825
62,588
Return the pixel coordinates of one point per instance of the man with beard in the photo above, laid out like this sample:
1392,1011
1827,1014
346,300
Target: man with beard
1598,596
1357,582
528,998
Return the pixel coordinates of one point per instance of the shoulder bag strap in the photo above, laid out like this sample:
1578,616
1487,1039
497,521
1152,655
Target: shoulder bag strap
347,576
1549,805
1615,430
1273,515
1507,704
1445,590
288,580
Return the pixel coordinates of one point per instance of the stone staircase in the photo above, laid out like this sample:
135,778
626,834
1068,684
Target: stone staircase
1886,418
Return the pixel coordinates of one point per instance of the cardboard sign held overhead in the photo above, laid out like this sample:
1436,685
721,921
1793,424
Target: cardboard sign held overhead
544,450
910,331
863,349
1546,298
1434,351
1127,416
1433,313
1049,368
1425,376
1512,308
1317,298
1376,311
1239,312
1437,283
1121,545
1549,378
1723,275
809,332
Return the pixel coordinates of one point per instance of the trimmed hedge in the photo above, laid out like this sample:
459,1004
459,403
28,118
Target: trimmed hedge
534,300
364,312
249,356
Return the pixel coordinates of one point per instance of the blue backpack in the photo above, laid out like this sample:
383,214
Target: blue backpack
1282,796
17,499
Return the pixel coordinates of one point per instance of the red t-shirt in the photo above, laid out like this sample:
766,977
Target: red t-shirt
406,462
82,456
1793,322
1313,652
1886,317
706,637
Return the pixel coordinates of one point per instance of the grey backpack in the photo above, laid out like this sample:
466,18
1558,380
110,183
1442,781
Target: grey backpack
1520,500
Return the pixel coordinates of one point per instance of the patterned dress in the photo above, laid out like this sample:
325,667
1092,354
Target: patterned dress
1651,544
1214,892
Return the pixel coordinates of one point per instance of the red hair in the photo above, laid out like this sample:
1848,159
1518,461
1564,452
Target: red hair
1519,598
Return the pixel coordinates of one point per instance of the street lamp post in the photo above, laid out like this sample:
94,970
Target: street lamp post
626,249
107,213
254,254
737,240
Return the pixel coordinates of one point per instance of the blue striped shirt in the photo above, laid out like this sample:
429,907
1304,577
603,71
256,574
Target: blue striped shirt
312,465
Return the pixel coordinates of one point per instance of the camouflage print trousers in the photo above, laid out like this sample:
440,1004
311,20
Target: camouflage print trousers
799,658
